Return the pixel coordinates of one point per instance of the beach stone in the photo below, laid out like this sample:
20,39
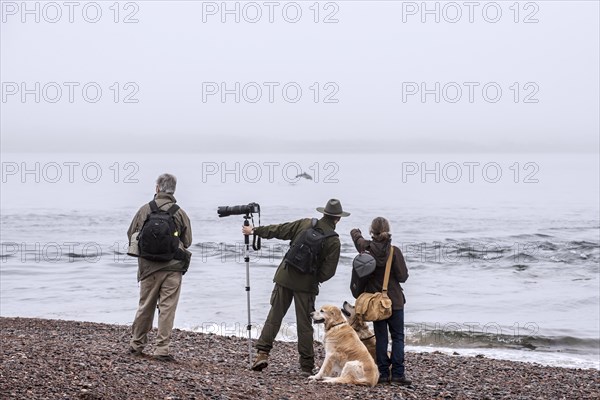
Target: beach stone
89,361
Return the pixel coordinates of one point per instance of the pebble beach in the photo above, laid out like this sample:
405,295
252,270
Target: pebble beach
56,359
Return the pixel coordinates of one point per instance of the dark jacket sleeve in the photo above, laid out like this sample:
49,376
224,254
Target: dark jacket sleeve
330,262
285,231
360,243
400,270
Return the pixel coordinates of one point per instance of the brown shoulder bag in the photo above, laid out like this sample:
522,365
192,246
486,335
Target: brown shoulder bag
377,306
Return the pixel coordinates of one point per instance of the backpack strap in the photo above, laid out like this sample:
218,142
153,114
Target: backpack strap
153,206
173,209
328,234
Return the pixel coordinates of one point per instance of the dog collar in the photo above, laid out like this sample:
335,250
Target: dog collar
338,324
367,338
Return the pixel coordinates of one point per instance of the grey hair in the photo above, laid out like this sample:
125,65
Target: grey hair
166,183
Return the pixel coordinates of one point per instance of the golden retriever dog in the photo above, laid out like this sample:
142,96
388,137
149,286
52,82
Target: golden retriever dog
365,334
347,360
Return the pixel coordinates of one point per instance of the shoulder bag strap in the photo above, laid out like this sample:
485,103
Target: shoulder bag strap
388,267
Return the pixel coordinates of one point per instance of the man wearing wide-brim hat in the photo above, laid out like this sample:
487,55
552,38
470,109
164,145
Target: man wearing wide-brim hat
291,284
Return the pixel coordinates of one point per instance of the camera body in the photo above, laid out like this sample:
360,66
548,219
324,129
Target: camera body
226,211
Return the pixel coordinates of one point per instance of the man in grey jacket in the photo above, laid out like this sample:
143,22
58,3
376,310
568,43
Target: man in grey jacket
160,281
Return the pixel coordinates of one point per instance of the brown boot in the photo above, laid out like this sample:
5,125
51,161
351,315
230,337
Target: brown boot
261,362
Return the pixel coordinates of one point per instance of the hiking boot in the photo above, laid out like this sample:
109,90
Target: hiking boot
167,358
306,372
261,362
383,380
401,380
134,352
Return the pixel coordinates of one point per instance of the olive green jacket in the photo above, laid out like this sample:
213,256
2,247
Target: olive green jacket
326,264
163,201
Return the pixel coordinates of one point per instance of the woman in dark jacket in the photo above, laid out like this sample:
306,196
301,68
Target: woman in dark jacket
379,248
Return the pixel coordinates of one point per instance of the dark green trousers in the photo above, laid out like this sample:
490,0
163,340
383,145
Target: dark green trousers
281,299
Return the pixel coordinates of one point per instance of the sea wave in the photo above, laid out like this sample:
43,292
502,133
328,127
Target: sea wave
491,337
448,251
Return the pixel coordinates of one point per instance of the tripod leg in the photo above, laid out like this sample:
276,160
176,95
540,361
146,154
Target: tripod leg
249,327
247,260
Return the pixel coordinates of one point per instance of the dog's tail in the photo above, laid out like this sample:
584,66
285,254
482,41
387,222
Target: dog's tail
354,373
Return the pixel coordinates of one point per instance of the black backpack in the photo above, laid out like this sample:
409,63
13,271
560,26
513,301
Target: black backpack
305,250
159,239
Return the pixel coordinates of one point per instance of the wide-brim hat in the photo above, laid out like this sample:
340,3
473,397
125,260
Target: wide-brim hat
333,208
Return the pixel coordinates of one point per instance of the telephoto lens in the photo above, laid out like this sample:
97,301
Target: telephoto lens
226,211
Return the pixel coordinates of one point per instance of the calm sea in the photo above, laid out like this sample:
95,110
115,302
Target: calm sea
502,250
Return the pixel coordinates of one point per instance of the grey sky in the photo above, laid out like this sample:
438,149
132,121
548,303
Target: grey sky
370,60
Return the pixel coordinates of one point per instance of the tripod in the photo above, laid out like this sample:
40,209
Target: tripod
255,246
247,260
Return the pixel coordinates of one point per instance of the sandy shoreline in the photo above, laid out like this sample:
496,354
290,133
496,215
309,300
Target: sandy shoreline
52,359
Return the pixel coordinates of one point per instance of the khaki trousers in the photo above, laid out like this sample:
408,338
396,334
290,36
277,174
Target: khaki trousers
162,288
281,299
